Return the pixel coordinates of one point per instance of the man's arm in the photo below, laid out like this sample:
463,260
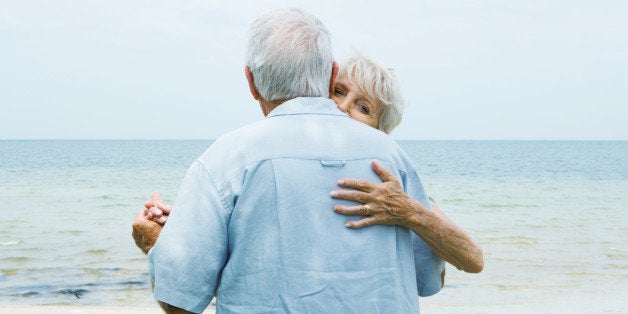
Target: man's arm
169,309
387,204
186,261
145,233
147,226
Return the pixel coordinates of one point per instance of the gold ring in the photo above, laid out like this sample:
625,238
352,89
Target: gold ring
367,209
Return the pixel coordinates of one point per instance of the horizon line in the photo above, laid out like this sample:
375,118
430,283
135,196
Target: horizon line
396,139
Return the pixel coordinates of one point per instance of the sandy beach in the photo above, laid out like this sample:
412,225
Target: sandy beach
435,306
77,310
85,310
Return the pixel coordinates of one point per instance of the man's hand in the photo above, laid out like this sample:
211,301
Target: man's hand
384,203
145,231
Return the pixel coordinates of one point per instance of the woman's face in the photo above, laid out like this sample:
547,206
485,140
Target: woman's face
352,101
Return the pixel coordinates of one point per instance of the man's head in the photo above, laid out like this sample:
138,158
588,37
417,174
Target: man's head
289,55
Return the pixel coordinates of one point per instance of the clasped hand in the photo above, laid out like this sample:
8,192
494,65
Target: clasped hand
383,203
149,222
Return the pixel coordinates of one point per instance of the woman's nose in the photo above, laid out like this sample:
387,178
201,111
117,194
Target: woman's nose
343,105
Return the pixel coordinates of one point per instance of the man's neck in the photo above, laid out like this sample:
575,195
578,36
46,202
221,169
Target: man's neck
268,106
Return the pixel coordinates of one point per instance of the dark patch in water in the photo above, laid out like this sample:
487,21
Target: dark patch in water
16,259
27,294
132,283
75,292
97,251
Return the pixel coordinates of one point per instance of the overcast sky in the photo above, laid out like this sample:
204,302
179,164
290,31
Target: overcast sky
491,69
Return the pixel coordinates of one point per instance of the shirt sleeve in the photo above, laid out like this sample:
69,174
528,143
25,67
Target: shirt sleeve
428,268
187,259
427,264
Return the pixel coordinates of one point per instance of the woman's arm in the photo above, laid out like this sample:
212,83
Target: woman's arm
386,204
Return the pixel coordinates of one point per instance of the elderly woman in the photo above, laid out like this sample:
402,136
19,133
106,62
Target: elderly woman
370,94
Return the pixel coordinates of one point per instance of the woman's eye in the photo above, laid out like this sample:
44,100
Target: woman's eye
364,109
339,92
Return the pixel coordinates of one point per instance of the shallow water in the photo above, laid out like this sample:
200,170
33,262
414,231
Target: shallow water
552,218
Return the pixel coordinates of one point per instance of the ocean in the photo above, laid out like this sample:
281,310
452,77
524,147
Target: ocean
551,217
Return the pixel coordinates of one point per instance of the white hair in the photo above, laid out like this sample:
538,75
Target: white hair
378,83
289,54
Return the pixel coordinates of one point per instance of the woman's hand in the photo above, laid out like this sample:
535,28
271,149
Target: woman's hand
383,203
156,209
386,204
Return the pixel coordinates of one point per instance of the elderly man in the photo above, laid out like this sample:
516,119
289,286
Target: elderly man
252,220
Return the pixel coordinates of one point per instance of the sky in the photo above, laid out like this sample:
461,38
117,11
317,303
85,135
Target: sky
470,70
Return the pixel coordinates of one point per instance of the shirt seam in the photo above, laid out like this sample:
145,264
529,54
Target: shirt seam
219,188
228,209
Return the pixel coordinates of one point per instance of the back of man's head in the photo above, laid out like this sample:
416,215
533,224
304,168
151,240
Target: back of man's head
289,54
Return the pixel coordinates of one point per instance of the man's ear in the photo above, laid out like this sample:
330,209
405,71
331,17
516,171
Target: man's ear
252,88
332,81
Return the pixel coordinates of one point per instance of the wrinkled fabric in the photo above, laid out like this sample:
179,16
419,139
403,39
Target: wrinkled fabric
254,222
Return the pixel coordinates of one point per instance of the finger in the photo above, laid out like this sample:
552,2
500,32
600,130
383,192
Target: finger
162,220
361,185
155,211
350,210
383,174
364,222
141,215
155,198
165,208
350,195
149,204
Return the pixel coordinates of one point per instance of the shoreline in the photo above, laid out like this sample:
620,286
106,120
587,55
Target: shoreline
426,307
71,309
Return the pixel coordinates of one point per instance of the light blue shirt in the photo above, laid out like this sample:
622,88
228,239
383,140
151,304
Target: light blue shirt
254,222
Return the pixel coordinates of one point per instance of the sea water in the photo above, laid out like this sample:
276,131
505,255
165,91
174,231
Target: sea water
551,217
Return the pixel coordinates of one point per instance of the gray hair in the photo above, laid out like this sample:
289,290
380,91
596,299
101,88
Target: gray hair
289,54
378,83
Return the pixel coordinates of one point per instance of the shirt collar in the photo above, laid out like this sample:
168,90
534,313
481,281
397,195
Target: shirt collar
307,105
